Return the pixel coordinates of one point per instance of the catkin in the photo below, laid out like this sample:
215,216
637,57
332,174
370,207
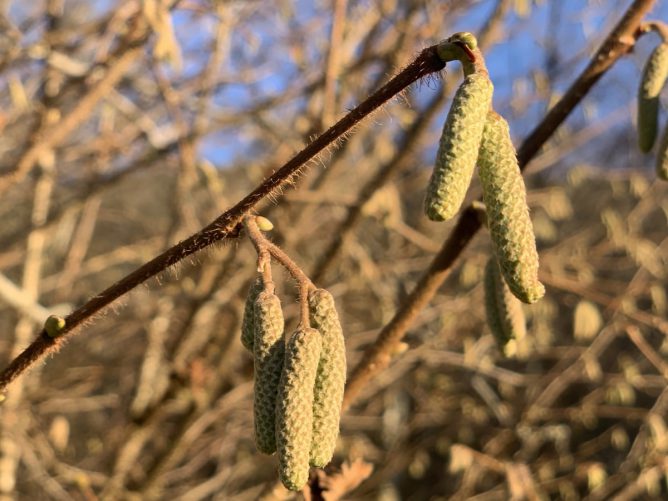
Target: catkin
653,79
247,330
662,156
505,316
268,350
294,407
458,147
507,212
330,379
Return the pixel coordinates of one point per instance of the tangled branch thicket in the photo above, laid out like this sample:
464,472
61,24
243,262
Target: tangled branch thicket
128,126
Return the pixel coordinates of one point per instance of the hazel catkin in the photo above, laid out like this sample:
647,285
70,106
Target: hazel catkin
508,218
294,407
268,350
505,316
330,379
458,147
653,78
662,156
247,330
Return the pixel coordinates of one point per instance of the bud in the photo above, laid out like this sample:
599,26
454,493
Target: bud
458,147
508,218
505,316
653,78
247,330
294,407
54,326
263,223
330,380
269,350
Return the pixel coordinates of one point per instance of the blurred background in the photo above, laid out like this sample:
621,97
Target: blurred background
127,126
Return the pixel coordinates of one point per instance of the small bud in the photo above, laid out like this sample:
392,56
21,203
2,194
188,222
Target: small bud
264,224
294,407
466,38
54,326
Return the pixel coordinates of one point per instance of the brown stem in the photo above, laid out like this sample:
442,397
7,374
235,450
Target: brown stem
658,26
226,225
378,355
265,247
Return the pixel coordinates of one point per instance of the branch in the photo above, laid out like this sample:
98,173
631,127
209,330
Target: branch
377,357
226,225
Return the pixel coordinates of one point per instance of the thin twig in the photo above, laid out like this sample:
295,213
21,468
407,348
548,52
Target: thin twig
264,246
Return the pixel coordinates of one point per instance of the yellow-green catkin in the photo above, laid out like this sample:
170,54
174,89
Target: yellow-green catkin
294,407
247,330
462,132
330,380
268,350
505,316
662,156
653,79
508,218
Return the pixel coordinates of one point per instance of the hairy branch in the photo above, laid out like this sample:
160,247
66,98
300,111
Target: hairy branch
226,225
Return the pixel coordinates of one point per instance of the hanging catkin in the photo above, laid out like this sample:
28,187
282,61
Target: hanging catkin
247,330
662,156
294,407
330,379
462,132
507,212
505,316
653,79
268,350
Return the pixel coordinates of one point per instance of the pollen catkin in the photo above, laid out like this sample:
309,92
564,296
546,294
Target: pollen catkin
507,212
653,79
458,147
294,407
662,156
268,350
247,330
330,379
505,316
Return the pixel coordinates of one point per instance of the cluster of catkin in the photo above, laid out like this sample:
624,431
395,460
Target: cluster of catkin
474,134
299,383
653,79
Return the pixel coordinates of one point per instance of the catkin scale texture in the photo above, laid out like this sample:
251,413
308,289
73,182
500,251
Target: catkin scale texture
268,351
247,330
508,218
652,81
662,156
330,380
458,147
505,316
294,407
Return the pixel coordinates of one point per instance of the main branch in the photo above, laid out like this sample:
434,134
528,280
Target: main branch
227,224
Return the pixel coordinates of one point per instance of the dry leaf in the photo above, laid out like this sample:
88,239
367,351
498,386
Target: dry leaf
336,485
